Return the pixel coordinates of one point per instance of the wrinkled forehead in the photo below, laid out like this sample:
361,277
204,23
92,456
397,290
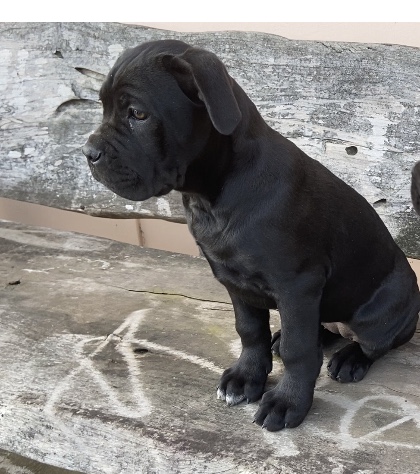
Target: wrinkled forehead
130,78
140,64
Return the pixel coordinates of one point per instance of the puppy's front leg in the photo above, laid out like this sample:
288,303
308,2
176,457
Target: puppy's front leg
245,380
300,349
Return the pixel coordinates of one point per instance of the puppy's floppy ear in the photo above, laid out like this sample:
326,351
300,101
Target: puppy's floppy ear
200,74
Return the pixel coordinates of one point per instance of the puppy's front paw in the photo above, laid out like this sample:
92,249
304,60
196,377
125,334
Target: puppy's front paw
282,409
244,381
230,398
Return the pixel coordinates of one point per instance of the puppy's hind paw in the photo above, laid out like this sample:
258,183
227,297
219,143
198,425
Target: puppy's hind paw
349,364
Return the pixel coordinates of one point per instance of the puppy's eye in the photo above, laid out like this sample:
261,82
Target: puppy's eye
138,114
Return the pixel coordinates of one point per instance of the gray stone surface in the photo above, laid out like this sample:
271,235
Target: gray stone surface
110,358
11,463
331,99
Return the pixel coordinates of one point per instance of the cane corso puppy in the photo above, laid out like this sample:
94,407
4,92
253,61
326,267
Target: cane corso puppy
278,229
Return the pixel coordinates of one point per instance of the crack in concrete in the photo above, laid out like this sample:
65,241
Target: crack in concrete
394,390
164,293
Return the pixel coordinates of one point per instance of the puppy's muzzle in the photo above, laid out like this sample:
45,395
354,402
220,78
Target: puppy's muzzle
92,153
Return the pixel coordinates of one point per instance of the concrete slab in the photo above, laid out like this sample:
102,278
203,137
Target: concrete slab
11,463
111,355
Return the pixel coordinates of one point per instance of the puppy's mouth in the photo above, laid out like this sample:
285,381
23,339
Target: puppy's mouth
131,187
127,187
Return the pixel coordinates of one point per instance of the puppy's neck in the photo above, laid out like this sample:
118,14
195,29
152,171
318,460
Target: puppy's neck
224,156
206,175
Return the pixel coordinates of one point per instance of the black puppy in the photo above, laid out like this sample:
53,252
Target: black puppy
278,229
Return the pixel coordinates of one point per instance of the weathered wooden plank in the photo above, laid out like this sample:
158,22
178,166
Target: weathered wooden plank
115,371
352,106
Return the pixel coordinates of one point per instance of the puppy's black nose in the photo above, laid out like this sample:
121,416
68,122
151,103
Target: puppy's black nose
91,153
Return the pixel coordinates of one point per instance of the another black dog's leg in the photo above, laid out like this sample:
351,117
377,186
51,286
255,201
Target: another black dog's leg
327,338
287,404
349,364
245,380
415,187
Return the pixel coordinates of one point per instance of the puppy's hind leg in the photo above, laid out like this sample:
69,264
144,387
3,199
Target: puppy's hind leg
388,320
327,338
349,364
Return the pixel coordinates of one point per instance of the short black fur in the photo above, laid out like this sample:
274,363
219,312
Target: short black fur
278,229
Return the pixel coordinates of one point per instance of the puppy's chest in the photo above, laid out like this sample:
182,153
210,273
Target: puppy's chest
231,257
240,275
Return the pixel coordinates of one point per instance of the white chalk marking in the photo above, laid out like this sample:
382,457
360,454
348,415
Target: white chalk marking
203,363
29,270
411,412
281,444
132,323
142,405
126,333
348,441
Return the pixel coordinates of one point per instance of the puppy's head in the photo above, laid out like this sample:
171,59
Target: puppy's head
161,102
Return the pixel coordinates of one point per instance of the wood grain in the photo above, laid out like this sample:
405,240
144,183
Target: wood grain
110,359
354,107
